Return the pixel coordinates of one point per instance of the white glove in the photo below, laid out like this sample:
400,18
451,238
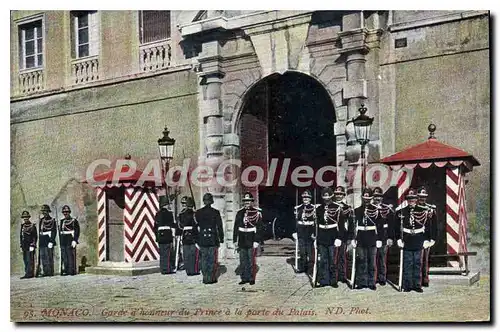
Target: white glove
256,244
313,236
431,243
337,243
400,243
389,242
427,244
353,243
73,244
50,245
378,244
197,246
32,248
294,235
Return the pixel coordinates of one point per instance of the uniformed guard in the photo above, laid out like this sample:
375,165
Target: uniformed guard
69,233
47,241
347,218
431,224
330,232
210,236
386,218
305,217
164,228
28,238
411,234
189,232
246,238
366,241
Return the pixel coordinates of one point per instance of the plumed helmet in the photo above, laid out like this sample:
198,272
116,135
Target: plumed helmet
25,214
412,193
378,192
422,192
45,208
66,208
306,194
327,193
339,190
367,193
189,202
208,198
248,197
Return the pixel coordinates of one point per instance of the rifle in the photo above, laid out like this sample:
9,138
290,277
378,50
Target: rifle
315,266
355,234
38,259
189,183
401,254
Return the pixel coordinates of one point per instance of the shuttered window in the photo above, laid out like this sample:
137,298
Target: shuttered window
31,45
85,33
154,25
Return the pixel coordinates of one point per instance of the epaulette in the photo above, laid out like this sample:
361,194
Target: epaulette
432,206
258,209
297,206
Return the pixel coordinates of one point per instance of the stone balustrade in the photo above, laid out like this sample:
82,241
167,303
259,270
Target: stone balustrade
155,56
85,70
31,81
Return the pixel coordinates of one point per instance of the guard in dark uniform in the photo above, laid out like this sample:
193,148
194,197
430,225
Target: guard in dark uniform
347,218
366,241
69,233
164,228
210,236
246,238
28,238
47,241
386,218
305,216
189,232
411,234
330,232
431,225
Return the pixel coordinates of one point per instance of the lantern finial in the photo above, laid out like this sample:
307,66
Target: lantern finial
363,109
128,156
432,129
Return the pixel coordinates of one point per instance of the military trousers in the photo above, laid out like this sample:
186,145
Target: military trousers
167,258
382,264
306,254
328,264
68,257
191,259
412,269
425,266
209,263
248,264
47,261
29,263
365,266
342,262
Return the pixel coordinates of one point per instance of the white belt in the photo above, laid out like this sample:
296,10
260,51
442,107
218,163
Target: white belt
386,226
163,227
187,228
414,231
68,232
306,223
327,226
46,233
247,230
366,228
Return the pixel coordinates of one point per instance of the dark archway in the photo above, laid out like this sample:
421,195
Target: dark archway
286,116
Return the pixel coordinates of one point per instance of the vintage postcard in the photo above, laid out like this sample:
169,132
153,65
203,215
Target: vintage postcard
250,165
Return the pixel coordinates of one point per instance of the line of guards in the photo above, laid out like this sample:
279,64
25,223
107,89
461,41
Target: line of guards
69,232
327,232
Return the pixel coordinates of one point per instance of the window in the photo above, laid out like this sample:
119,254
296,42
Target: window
31,45
85,34
154,25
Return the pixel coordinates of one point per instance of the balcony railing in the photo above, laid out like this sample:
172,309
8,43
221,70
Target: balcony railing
85,70
155,56
31,81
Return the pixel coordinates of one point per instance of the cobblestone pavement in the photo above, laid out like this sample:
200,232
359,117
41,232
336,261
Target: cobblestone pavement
279,295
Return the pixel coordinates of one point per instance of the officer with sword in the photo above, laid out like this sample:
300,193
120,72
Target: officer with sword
165,228
386,219
28,238
188,229
348,220
305,217
431,224
69,232
47,227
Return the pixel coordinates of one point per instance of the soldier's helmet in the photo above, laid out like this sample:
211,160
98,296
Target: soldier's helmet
45,208
184,200
208,198
66,209
367,193
306,194
327,193
378,192
25,214
412,193
248,197
422,192
163,201
189,202
340,190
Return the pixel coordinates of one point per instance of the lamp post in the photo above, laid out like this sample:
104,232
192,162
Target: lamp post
362,126
166,148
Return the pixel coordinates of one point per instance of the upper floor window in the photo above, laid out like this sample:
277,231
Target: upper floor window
31,45
85,33
154,25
